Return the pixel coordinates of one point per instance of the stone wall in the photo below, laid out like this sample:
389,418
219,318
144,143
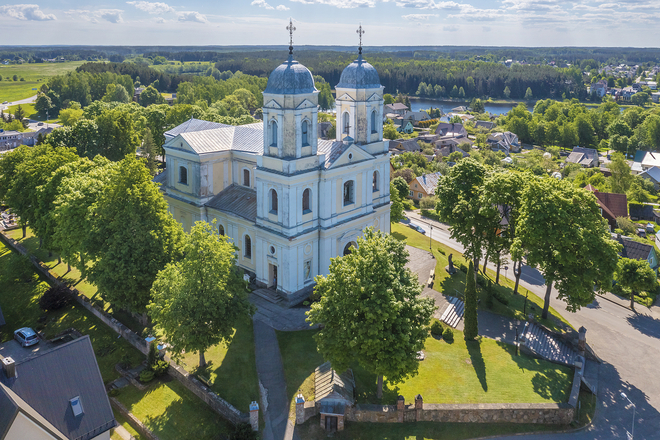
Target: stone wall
133,421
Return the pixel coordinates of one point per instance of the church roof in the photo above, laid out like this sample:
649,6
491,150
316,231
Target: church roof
332,150
192,125
238,200
359,75
249,138
290,78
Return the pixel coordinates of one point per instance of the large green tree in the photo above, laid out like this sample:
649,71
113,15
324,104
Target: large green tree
621,174
198,300
371,310
133,236
636,276
396,205
563,233
151,96
117,135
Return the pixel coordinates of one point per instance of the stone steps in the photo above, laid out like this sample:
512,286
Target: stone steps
547,346
269,295
453,313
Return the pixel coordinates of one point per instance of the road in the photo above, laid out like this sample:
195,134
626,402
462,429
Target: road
628,343
29,100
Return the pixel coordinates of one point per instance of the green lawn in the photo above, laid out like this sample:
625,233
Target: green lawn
172,412
231,370
20,290
484,372
121,420
34,74
454,285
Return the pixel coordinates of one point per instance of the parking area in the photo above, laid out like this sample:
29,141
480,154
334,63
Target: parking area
14,350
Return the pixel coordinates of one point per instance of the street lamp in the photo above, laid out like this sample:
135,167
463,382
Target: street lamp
430,239
632,433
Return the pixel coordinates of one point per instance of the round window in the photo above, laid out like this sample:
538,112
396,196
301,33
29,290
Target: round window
350,156
272,250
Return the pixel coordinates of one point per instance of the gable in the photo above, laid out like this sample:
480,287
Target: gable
373,98
179,143
357,155
305,104
273,104
345,97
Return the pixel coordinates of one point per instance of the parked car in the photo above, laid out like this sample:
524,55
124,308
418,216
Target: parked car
5,102
417,228
26,336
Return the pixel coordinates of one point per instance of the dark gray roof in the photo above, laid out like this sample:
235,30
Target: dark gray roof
8,410
191,126
332,150
290,78
11,404
634,250
238,200
48,381
333,386
161,177
359,75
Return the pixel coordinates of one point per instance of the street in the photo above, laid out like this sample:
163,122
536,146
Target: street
29,100
628,343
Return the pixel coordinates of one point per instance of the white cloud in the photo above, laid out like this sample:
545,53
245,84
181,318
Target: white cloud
26,12
418,17
282,8
152,7
428,4
192,16
160,20
450,28
111,15
342,4
261,4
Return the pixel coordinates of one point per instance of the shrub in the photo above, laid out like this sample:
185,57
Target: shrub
152,355
626,225
489,295
146,376
55,298
462,267
500,297
448,335
113,392
430,213
160,367
436,328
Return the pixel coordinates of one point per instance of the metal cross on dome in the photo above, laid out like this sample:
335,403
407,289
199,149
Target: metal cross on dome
290,28
360,32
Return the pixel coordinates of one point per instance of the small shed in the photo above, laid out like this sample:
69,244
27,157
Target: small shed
334,392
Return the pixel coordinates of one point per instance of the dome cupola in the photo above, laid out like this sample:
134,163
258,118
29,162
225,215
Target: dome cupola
290,78
359,75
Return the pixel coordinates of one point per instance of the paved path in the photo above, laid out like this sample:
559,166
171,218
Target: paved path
123,433
272,385
29,100
279,317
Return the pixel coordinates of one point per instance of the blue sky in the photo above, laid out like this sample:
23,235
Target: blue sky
333,22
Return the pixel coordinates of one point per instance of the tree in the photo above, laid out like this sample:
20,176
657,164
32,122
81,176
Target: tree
621,175
150,96
117,136
528,94
620,127
198,300
636,276
507,92
19,114
149,150
396,205
70,116
640,98
477,106
563,233
371,310
43,104
389,132
471,329
585,130
401,187
461,93
454,92
133,236
388,99
569,136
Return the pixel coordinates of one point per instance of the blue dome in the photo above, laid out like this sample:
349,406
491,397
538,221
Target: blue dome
290,78
359,75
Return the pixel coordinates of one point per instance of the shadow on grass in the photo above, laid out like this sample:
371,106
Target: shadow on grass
543,385
366,387
477,359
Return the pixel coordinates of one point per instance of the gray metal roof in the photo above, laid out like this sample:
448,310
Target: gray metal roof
238,200
328,384
290,78
191,126
11,404
429,182
8,410
161,178
359,75
48,382
248,138
331,149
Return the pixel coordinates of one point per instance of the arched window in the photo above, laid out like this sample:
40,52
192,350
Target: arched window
273,133
345,123
273,201
246,177
373,122
348,249
349,193
305,140
306,196
375,182
247,247
221,230
183,175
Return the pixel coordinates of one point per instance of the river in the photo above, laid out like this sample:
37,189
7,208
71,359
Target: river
446,106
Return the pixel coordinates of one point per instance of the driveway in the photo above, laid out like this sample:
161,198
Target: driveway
14,350
628,343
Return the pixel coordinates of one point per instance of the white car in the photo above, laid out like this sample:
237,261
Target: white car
26,336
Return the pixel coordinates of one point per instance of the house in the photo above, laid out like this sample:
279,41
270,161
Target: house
416,117
642,212
587,157
137,93
488,125
655,97
652,174
55,394
323,129
647,159
599,88
638,251
459,109
451,129
611,205
405,126
445,151
423,186
396,108
404,146
333,394
627,93
10,139
504,141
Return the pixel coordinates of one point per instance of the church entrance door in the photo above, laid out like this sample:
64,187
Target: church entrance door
272,276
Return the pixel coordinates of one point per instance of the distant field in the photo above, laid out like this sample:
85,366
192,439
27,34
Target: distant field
34,74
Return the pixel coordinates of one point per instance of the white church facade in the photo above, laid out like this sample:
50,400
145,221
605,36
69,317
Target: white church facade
289,201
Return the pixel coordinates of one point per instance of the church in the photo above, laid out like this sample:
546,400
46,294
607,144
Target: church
288,200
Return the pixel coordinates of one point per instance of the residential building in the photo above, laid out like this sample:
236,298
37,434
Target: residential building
416,117
653,175
488,125
647,159
638,251
599,88
655,97
504,141
323,129
451,129
611,205
396,108
404,146
54,394
423,186
446,150
288,200
10,139
587,157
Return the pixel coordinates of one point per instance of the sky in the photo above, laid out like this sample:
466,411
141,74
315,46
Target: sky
334,22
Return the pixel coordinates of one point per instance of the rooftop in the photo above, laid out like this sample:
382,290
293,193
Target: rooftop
290,78
359,75
248,138
192,125
238,200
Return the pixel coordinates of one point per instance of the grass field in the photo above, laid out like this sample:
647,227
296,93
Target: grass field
478,372
172,412
34,74
454,285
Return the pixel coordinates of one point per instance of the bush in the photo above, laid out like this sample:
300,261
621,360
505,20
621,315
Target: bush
489,295
500,297
626,225
152,355
448,335
146,376
436,328
160,367
430,213
55,298
243,431
462,267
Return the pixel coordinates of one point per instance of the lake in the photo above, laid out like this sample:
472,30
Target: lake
446,106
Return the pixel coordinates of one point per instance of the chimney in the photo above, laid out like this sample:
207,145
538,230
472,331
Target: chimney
9,367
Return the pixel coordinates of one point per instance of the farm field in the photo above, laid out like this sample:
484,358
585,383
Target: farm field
33,74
